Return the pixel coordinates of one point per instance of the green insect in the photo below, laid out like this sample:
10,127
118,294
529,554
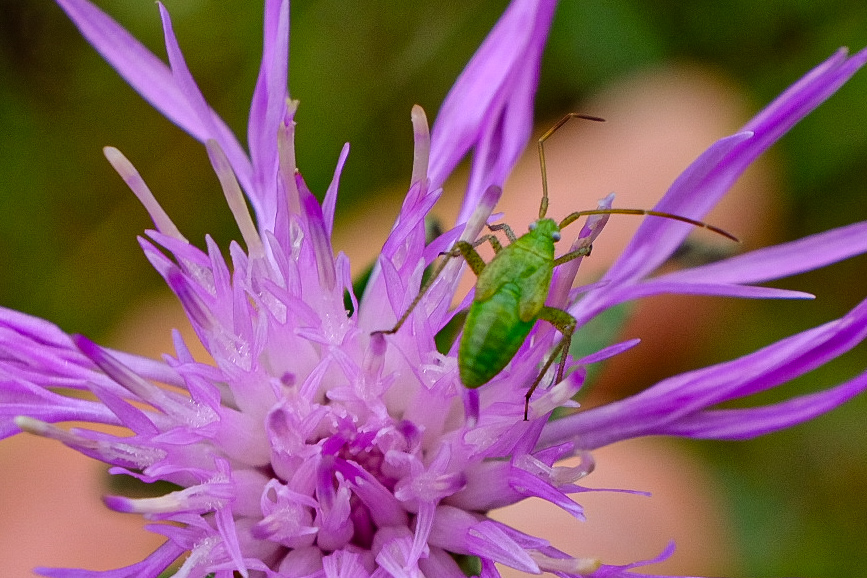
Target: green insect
512,288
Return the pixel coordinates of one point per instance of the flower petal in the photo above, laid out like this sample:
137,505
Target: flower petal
268,110
150,567
782,260
662,407
151,78
490,105
704,183
741,424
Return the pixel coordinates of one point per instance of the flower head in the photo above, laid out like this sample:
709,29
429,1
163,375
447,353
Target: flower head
314,446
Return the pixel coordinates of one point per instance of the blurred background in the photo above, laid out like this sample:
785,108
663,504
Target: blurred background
67,240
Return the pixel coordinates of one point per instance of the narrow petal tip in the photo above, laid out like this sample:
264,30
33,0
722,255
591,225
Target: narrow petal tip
118,504
87,347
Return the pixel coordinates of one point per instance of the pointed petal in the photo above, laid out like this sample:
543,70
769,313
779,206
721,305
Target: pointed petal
782,260
213,125
682,397
656,239
584,311
741,424
136,64
152,79
704,183
150,567
268,109
490,105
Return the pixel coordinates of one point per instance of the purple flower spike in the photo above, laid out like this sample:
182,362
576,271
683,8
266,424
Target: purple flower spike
317,446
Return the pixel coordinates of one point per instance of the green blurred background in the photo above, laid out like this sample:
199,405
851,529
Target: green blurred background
67,240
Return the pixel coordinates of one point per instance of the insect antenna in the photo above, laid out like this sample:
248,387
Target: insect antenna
543,206
578,214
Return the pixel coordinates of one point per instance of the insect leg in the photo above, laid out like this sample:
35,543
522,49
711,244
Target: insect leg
565,324
462,248
421,293
580,252
506,229
471,256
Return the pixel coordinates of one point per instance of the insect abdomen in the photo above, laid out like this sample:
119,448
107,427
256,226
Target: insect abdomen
496,333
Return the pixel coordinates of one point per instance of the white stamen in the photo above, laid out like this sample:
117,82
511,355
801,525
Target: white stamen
235,198
480,216
562,475
564,276
566,565
199,555
195,497
116,451
51,431
133,180
560,394
421,151
37,427
286,156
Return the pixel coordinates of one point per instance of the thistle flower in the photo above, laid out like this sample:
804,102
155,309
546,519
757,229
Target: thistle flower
311,447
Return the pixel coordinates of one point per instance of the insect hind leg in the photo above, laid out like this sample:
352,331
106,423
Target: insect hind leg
565,324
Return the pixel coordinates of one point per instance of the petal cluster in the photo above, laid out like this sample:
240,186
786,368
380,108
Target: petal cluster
315,446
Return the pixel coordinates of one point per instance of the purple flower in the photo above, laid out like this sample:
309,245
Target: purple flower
312,448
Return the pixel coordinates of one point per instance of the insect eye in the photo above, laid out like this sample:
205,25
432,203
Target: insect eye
555,235
532,226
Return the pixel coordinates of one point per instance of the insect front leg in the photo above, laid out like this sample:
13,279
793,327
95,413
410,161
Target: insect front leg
461,249
471,256
565,324
571,255
506,229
